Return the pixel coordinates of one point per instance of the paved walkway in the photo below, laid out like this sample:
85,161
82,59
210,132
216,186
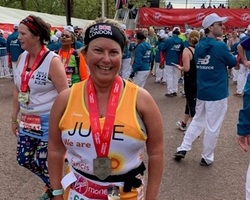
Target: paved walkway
187,180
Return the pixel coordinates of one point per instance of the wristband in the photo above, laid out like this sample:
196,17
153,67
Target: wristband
52,193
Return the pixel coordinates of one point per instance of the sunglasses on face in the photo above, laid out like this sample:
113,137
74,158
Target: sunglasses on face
65,35
218,23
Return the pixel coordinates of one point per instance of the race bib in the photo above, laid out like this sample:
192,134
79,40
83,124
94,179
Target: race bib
31,124
69,79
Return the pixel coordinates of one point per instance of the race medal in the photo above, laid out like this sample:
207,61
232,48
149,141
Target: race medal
102,167
23,97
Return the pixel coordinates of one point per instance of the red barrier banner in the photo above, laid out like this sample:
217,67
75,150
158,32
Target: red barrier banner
161,17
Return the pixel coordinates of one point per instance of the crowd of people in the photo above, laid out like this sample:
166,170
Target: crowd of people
74,93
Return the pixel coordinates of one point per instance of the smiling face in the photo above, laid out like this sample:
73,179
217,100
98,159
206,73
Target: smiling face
26,38
104,57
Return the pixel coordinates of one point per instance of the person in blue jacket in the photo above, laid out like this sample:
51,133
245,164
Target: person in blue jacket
243,126
14,47
243,72
54,44
172,48
212,57
141,66
160,77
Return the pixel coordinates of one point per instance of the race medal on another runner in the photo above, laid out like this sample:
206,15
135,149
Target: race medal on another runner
23,97
102,167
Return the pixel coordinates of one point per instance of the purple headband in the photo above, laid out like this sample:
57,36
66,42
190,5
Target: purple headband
104,30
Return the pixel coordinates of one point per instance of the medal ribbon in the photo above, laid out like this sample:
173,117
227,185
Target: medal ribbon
68,56
102,138
25,77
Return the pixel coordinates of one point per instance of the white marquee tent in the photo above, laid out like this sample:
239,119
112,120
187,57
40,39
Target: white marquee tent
9,16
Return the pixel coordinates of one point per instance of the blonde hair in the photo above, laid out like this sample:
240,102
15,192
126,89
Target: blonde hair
194,37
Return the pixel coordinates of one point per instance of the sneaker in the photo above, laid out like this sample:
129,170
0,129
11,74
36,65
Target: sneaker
179,155
180,80
174,94
181,126
169,95
204,163
164,83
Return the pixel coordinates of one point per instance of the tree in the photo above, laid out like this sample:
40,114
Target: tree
238,3
84,9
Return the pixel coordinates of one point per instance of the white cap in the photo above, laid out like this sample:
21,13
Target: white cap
58,34
188,31
53,38
16,24
69,28
162,35
161,31
242,35
212,18
248,28
123,26
178,28
201,30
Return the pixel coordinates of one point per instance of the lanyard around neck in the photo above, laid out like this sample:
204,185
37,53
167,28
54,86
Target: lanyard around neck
25,77
102,138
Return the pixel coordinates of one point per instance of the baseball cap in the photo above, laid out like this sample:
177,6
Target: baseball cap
188,31
202,30
176,28
58,34
162,35
242,35
161,31
212,18
123,26
69,28
15,26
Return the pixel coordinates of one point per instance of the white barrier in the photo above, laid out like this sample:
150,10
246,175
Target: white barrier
5,71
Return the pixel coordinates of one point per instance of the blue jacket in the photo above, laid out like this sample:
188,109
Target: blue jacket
142,57
212,58
243,126
245,42
54,46
158,46
173,48
3,47
14,46
127,51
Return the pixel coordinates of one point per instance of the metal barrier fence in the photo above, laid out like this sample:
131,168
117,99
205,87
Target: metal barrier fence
5,71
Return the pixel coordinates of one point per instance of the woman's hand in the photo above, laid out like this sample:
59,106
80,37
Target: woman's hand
14,127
